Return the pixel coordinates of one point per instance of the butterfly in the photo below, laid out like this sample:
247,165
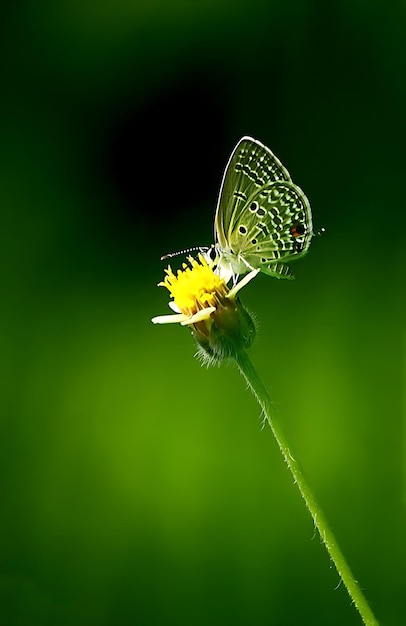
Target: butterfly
262,218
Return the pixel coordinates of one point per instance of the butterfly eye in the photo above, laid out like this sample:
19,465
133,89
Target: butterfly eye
297,229
212,253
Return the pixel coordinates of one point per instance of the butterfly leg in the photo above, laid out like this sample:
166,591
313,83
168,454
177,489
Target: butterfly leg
248,265
242,262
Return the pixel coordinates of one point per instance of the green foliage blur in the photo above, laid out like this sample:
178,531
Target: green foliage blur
137,487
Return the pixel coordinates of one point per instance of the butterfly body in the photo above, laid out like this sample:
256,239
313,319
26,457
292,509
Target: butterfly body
262,218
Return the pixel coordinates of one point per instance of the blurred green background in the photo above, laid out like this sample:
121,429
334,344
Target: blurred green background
136,486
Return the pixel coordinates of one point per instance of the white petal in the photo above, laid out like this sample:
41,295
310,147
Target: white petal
173,306
169,319
225,270
203,314
242,283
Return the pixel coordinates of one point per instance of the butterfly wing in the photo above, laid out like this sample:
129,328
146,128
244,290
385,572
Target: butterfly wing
263,219
273,227
251,166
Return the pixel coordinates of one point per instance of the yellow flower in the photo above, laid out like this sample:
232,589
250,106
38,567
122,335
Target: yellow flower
202,300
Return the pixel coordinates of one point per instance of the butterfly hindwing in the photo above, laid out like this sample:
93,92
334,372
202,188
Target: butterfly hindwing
275,226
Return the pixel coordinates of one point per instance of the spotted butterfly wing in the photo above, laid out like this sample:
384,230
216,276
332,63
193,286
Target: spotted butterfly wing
262,218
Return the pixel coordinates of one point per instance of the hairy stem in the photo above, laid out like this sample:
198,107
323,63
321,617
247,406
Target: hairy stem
258,389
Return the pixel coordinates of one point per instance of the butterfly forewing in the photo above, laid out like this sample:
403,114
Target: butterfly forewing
251,166
262,218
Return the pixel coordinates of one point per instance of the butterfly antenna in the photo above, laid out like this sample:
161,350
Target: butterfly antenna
186,251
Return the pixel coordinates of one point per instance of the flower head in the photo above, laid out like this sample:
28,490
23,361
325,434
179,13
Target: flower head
202,300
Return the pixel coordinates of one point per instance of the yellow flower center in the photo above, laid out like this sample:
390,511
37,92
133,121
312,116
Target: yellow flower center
196,287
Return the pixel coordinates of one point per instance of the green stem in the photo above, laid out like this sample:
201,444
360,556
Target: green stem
258,389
